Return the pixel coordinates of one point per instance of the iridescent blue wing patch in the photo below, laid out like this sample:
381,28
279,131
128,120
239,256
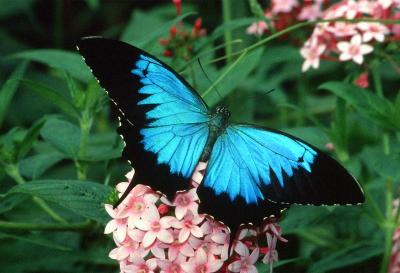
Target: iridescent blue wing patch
260,169
163,120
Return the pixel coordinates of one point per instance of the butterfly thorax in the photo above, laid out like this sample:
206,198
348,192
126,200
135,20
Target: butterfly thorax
217,126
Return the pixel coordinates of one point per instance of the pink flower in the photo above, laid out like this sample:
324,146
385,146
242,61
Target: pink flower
349,9
283,6
272,255
141,265
189,225
136,207
341,29
275,230
257,28
222,238
176,248
312,56
185,201
172,266
246,262
354,50
310,12
372,31
116,225
155,227
123,250
202,263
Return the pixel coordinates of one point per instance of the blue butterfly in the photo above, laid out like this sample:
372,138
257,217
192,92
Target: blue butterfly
252,172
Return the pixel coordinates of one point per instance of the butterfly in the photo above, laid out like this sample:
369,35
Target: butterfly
252,173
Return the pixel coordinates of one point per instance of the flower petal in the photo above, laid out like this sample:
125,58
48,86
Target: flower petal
165,236
183,235
149,238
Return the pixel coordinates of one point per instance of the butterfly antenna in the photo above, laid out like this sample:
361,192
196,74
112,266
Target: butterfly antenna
215,88
270,91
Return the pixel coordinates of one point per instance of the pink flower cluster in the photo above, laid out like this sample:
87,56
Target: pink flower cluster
349,41
337,41
153,234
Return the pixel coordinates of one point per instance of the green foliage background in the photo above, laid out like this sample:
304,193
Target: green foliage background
60,154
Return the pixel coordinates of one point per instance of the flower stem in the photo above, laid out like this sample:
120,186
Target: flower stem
85,123
49,227
13,172
226,10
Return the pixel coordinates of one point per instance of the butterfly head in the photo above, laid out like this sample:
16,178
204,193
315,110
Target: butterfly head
222,110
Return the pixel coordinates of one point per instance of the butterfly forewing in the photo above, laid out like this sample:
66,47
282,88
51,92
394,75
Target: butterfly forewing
163,121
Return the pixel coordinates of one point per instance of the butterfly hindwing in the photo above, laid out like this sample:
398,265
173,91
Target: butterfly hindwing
263,169
163,120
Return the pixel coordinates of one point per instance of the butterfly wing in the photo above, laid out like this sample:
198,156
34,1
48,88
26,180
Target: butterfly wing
163,120
253,172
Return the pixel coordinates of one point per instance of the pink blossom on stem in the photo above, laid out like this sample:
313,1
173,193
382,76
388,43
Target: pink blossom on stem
246,262
354,50
312,56
373,31
188,225
155,227
202,263
271,255
118,224
184,202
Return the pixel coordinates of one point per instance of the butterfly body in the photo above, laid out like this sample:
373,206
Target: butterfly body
252,172
217,126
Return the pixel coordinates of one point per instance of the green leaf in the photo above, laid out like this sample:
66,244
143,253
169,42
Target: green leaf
35,166
63,135
82,197
302,218
348,256
9,88
36,240
29,139
378,109
229,80
52,96
256,9
9,201
59,59
385,165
